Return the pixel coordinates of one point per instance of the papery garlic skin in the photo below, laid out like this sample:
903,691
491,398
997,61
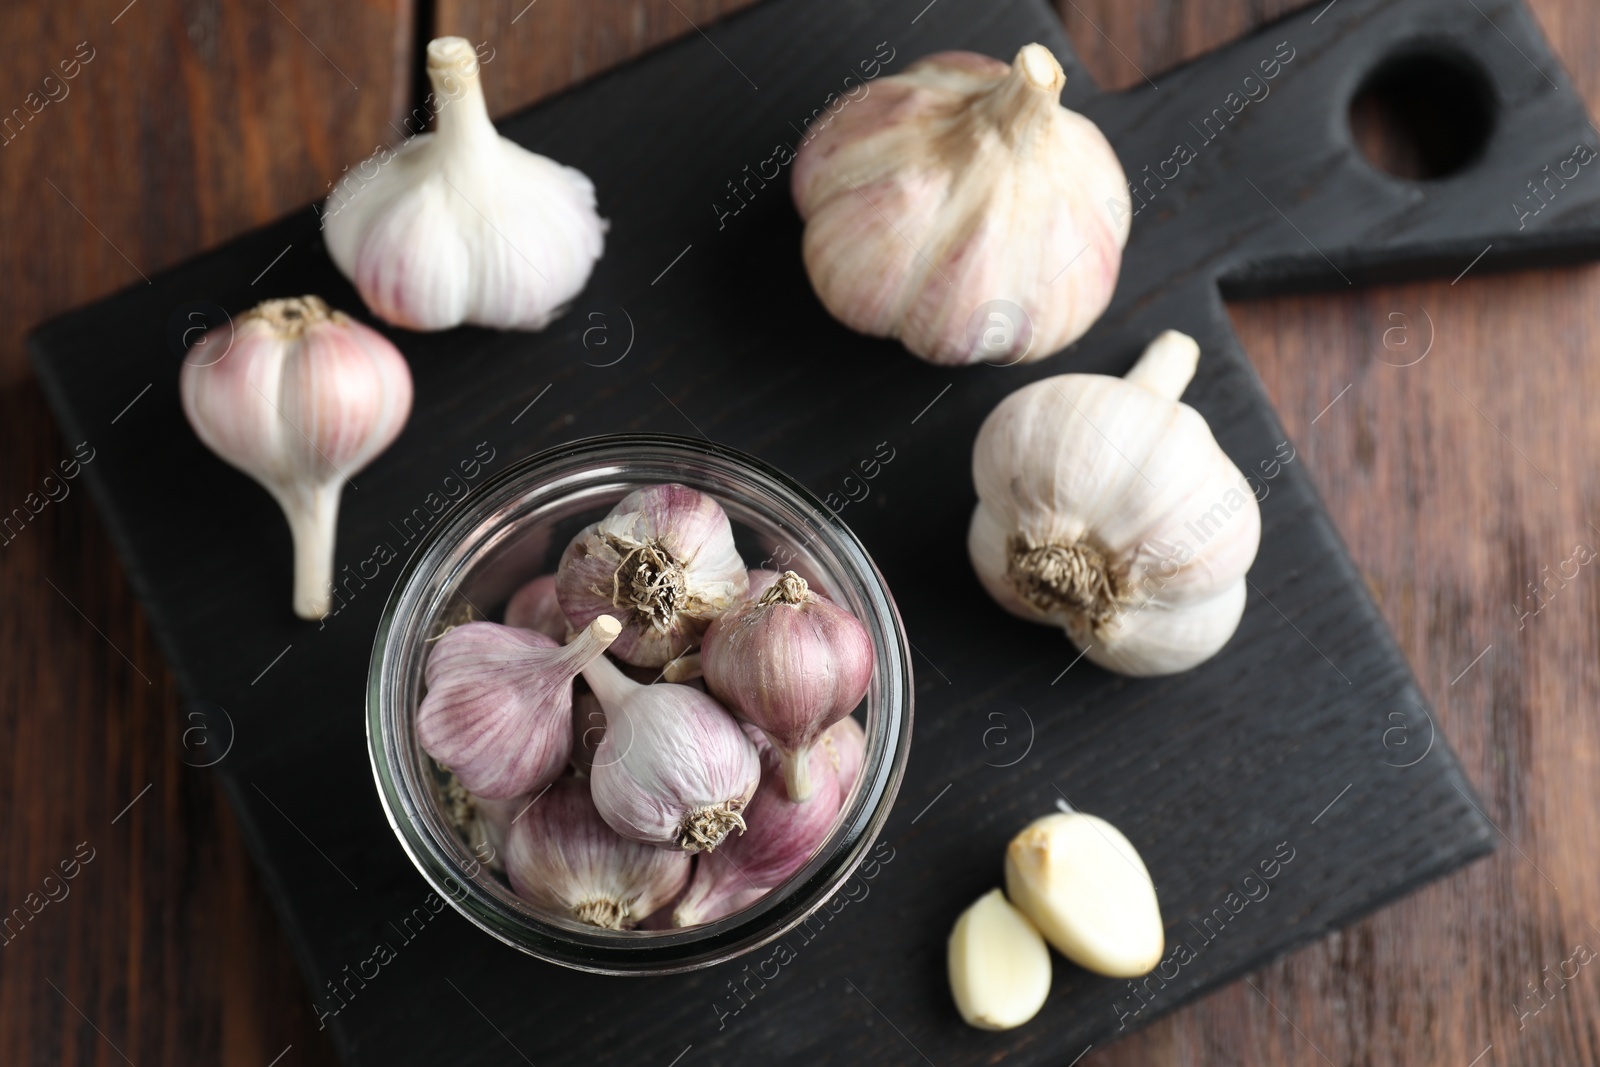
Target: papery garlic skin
998,965
498,711
534,607
673,769
793,664
1106,507
959,182
301,400
463,225
1082,883
780,836
663,561
562,856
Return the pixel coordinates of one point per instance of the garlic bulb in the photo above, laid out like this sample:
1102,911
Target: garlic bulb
780,836
663,561
673,768
998,965
793,664
560,855
1084,886
303,399
957,184
534,607
498,711
1106,507
462,225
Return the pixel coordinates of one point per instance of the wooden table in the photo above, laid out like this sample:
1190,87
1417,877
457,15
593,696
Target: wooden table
1458,481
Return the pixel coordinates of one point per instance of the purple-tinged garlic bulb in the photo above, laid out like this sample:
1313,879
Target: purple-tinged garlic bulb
535,607
674,769
562,856
302,400
663,561
498,711
847,748
793,664
780,836
962,185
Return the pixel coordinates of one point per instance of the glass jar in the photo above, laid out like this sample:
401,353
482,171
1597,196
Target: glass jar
514,528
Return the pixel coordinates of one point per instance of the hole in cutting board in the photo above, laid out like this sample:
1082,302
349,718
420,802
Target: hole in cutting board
1423,115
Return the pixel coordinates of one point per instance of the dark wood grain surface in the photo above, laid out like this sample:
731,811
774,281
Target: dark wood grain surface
1456,481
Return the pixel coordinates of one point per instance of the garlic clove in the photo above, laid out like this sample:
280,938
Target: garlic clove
793,664
664,562
673,769
684,668
780,836
1106,507
535,607
847,748
492,824
560,855
498,711
1084,886
588,728
302,399
463,225
998,965
960,182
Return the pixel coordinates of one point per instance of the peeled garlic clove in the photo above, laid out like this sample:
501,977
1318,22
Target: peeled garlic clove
1106,507
562,856
498,711
847,748
673,768
663,561
999,967
535,607
793,664
780,836
956,183
462,225
1084,886
302,399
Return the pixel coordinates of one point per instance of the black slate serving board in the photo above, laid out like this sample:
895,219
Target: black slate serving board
1295,752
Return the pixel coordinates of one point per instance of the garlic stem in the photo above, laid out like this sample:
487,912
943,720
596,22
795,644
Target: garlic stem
463,124
313,523
1167,366
1029,95
796,767
608,683
587,647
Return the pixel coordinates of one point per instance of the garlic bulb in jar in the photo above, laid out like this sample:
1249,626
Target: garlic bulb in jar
957,184
1105,506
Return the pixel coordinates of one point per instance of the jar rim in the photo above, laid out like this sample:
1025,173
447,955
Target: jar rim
440,563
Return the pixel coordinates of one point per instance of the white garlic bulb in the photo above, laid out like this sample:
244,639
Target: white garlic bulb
1106,506
462,225
301,400
960,183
